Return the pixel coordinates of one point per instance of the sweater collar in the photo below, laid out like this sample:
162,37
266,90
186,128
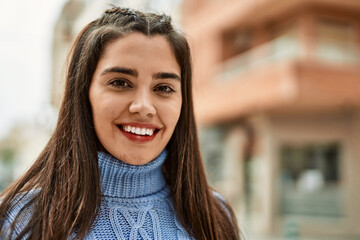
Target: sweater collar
123,180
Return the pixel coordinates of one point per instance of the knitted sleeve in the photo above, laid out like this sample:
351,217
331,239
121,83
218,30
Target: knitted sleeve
17,209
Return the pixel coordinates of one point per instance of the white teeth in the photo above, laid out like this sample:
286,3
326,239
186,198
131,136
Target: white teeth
139,131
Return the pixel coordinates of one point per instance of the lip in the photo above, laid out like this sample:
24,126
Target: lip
139,138
140,125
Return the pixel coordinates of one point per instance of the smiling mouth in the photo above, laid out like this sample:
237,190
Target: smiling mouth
138,130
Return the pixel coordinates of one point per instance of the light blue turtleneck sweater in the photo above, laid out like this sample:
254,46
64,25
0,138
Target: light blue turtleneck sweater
136,203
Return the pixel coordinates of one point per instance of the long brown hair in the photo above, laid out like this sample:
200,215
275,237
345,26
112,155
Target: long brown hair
64,180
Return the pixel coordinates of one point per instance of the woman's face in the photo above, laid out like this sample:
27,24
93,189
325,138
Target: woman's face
135,95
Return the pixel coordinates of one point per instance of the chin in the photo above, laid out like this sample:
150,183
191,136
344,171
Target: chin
135,159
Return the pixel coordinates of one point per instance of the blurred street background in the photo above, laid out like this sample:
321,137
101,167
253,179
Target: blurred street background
277,101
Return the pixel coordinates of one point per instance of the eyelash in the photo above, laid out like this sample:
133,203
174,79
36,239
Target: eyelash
124,85
119,83
165,89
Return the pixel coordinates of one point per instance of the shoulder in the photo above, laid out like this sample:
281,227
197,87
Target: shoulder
227,212
224,205
218,196
18,213
221,200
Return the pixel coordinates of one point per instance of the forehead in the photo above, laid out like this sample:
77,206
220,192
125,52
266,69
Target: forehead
133,40
135,46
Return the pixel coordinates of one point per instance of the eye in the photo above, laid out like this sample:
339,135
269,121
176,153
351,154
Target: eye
120,83
164,89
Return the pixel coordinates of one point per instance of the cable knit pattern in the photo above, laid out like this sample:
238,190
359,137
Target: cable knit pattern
136,203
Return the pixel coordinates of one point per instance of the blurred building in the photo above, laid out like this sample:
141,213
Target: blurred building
277,96
19,149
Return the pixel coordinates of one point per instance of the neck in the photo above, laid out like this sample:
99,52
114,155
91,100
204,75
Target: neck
123,180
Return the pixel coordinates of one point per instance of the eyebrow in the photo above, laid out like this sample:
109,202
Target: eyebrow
166,75
134,73
127,71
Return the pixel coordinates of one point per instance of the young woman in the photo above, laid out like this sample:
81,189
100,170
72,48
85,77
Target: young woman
123,161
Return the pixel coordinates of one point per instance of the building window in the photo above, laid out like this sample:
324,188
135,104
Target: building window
212,145
240,53
236,42
336,42
310,180
285,42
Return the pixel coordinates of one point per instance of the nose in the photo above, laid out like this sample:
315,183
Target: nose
142,104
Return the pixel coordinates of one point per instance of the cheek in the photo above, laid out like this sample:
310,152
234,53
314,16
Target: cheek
105,109
171,114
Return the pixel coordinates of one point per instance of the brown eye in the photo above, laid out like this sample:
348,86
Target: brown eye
120,83
164,89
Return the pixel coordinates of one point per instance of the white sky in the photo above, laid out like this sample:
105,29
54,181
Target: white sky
26,29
